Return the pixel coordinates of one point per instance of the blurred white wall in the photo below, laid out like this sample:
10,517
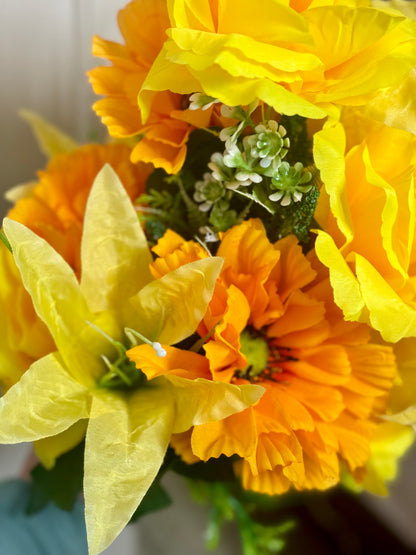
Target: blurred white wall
44,54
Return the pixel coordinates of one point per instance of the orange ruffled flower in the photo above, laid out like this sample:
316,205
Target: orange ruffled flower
143,24
54,210
274,323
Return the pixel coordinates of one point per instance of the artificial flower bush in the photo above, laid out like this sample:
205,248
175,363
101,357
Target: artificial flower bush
227,287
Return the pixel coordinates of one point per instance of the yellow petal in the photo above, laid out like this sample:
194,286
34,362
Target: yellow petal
388,445
407,417
20,191
347,293
170,308
200,401
45,402
50,448
57,299
389,313
396,106
50,139
126,442
114,252
328,151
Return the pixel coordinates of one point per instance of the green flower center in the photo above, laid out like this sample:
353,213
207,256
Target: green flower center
264,358
256,349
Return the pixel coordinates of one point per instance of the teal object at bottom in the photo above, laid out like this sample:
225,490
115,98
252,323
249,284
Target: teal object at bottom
50,531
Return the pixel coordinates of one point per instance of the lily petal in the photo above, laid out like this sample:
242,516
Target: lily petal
57,299
51,140
112,239
200,401
170,308
52,402
126,442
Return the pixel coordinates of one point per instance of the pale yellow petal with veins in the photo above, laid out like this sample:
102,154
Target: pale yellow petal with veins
45,402
57,299
51,140
127,438
113,240
170,308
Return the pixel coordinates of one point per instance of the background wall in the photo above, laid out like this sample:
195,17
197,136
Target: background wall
44,54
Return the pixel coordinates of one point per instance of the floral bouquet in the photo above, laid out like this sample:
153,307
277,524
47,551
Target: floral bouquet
227,287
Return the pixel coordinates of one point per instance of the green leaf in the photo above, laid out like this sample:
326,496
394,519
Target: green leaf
61,484
5,241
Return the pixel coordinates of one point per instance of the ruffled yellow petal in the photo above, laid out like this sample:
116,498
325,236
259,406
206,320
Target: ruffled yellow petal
44,402
328,152
389,313
347,292
112,239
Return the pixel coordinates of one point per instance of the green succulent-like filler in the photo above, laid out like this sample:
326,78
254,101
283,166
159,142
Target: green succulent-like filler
256,169
290,183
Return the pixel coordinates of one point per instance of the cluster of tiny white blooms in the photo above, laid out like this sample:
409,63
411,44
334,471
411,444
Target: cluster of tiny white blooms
290,183
199,101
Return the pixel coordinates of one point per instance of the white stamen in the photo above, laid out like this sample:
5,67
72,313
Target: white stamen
160,351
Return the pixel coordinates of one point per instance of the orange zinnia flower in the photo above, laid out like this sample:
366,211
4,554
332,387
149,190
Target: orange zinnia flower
143,24
275,323
54,210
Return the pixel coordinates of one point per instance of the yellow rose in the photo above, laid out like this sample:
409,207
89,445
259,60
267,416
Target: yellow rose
299,57
368,233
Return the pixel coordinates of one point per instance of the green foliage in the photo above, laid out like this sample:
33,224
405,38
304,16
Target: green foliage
4,239
228,503
61,484
300,143
284,199
296,218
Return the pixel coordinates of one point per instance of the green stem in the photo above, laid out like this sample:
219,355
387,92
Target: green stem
5,241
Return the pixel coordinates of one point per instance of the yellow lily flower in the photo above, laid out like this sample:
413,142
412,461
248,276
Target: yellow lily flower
129,420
